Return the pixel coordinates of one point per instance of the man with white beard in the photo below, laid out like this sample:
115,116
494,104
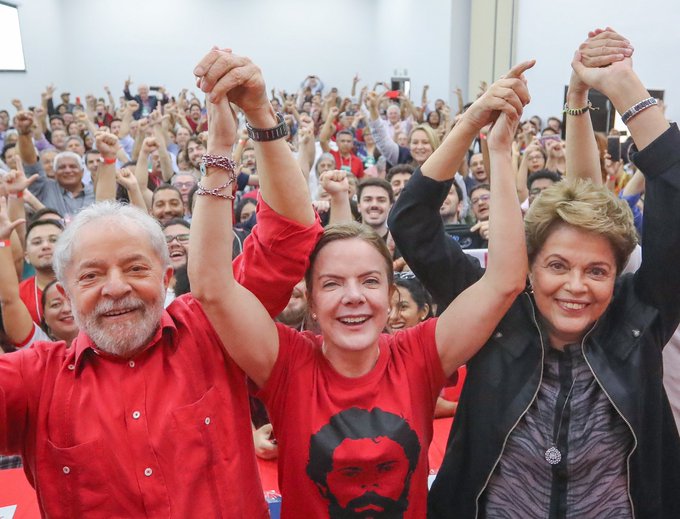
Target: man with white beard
145,415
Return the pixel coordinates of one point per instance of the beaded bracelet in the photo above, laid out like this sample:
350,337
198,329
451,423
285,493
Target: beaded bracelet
579,111
216,161
202,191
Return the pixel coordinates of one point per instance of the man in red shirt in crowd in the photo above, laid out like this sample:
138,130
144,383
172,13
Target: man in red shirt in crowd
41,236
345,159
146,415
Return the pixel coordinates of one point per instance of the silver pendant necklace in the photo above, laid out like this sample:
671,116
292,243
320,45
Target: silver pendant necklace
552,454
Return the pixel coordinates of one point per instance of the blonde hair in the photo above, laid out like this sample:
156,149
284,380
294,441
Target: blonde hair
586,207
348,231
431,135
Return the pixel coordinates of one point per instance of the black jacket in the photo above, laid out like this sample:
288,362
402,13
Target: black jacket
624,348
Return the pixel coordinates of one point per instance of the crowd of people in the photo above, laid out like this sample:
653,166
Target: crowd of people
187,284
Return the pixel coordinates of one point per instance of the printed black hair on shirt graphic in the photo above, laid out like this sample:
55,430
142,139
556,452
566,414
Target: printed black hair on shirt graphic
362,462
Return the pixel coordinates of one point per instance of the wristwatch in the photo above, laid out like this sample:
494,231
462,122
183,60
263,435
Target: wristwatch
268,134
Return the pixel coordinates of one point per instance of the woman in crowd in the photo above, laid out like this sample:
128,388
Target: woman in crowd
352,408
533,160
411,305
422,140
57,320
564,412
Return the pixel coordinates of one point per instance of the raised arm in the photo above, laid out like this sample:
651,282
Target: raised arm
658,157
327,129
306,148
16,318
212,281
415,223
483,305
583,155
335,183
387,146
107,144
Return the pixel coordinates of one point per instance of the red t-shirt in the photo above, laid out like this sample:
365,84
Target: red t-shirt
31,295
353,163
339,436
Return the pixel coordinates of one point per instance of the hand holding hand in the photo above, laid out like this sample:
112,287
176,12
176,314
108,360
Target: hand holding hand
508,95
502,133
603,60
221,73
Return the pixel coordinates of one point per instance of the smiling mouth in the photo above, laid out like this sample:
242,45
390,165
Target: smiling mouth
566,305
118,313
353,321
177,254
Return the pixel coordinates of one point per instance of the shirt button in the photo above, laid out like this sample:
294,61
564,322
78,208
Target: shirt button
636,333
207,420
148,472
131,363
71,367
66,470
136,415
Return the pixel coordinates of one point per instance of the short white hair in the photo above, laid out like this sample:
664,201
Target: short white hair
67,155
117,213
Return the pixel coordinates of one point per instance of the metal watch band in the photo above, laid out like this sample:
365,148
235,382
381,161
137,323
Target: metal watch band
268,134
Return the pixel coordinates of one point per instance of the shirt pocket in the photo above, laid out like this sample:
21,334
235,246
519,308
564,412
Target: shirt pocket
74,481
202,441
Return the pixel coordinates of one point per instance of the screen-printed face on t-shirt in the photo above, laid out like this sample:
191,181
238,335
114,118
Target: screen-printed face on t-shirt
372,486
362,462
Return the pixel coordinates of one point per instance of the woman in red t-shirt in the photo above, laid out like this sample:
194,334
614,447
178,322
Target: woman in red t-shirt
352,408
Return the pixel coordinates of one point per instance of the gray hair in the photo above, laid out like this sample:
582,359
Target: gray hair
117,213
66,155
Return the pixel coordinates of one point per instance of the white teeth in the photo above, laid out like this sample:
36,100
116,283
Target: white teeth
353,320
113,314
573,306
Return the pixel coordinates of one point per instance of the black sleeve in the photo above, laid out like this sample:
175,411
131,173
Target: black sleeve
418,231
657,281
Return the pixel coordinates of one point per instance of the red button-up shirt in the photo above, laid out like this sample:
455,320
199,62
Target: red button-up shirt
164,434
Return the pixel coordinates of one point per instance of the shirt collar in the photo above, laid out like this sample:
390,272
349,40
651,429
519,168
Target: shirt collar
83,343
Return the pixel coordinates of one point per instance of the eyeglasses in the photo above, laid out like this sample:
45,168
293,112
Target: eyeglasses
181,238
536,190
404,275
480,198
180,185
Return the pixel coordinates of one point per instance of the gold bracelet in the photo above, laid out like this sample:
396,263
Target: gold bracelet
579,111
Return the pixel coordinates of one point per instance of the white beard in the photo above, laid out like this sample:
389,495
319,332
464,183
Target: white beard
122,339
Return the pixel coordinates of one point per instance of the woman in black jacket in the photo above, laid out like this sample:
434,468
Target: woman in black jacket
564,413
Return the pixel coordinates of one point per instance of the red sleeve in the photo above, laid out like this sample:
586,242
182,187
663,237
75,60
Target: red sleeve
275,257
14,405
